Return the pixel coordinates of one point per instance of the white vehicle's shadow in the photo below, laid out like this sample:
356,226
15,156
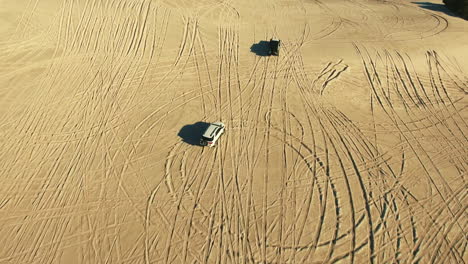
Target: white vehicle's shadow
191,134
261,48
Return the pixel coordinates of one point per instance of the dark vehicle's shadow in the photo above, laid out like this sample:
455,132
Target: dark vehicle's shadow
191,134
436,7
261,48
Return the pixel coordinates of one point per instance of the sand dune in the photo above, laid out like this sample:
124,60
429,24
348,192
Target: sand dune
349,147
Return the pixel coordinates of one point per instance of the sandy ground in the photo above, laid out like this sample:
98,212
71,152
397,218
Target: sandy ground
349,147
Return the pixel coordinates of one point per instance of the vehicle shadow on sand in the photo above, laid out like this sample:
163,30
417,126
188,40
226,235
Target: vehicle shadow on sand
191,134
261,48
436,7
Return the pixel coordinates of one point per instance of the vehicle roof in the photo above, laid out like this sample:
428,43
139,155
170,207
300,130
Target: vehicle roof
212,128
219,124
274,45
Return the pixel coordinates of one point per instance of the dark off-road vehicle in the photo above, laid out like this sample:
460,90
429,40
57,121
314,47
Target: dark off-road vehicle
274,46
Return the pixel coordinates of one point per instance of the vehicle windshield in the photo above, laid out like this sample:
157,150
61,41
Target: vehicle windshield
207,139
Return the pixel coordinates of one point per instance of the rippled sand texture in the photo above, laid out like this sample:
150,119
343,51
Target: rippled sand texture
349,147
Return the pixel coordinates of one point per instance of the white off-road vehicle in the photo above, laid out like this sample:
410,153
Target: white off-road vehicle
212,134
